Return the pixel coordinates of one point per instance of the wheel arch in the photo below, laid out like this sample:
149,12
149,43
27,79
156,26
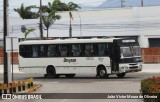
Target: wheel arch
99,67
49,66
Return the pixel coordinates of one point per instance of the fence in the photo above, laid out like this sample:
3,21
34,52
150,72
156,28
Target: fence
151,58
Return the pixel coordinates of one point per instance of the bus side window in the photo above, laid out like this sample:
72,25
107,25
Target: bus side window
89,50
42,51
25,51
76,50
34,51
51,50
106,50
63,50
101,49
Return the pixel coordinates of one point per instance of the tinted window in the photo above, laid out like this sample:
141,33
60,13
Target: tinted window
63,49
76,49
35,51
51,50
101,49
88,49
25,50
42,51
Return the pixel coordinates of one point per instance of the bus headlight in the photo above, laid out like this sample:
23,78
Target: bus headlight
125,67
140,66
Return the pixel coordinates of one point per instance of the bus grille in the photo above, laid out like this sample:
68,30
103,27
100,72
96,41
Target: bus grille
133,67
133,64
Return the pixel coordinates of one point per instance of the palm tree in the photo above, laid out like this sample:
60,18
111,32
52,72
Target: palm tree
71,7
50,19
25,12
27,32
59,6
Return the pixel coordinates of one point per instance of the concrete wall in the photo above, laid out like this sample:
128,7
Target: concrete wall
132,21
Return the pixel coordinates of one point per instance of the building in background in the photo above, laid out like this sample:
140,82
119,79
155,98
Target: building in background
141,22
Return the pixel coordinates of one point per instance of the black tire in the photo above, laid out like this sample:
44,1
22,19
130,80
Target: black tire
45,75
51,72
121,75
57,76
102,72
70,75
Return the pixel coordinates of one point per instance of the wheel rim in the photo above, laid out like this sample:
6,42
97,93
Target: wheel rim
102,72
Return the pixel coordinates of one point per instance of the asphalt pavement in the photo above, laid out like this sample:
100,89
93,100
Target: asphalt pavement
85,84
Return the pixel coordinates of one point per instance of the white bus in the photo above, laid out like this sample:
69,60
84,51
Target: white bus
100,56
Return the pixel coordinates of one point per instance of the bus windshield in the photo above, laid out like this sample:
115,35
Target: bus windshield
132,51
136,51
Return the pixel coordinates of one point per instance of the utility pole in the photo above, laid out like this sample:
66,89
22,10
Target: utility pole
40,24
122,1
5,33
80,24
141,3
70,24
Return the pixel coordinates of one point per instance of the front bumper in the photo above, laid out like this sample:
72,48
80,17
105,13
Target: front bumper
126,68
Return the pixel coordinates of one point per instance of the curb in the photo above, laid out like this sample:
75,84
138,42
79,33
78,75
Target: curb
148,72
34,89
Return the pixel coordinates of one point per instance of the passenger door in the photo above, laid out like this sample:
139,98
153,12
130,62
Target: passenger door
114,54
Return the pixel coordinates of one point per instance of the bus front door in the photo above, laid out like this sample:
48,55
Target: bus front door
114,56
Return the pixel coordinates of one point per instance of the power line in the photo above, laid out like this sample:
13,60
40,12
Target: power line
105,27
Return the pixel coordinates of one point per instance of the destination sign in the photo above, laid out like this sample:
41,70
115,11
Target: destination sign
128,41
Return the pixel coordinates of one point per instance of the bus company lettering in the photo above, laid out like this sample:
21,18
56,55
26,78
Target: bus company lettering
69,60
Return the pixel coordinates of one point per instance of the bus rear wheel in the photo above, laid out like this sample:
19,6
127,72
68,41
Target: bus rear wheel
102,73
121,75
51,72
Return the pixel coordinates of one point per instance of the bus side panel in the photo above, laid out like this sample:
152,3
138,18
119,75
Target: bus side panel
32,65
81,64
65,65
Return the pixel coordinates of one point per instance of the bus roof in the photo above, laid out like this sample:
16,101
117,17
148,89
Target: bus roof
72,40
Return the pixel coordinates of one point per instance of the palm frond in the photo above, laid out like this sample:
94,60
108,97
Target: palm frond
25,12
28,31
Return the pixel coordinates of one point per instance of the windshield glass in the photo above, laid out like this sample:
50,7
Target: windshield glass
136,50
126,52
130,51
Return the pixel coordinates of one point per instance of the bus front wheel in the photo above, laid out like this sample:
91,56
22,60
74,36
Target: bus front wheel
121,75
102,73
51,72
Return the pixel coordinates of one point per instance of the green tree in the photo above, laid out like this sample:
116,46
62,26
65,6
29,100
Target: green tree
71,7
27,32
50,19
59,6
25,12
